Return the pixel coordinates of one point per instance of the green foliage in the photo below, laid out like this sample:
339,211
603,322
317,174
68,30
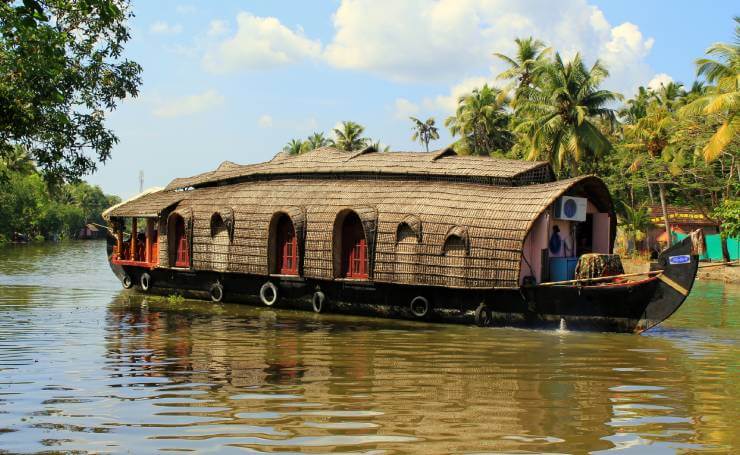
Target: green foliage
524,67
293,147
681,144
424,132
729,215
175,299
559,115
723,97
29,206
348,136
635,221
482,122
62,71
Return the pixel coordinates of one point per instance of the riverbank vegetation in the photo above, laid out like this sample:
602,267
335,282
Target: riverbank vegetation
63,71
32,209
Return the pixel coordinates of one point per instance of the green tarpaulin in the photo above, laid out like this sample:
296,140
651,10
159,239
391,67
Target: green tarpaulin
714,247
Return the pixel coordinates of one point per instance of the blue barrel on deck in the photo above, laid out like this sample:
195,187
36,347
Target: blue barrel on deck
562,269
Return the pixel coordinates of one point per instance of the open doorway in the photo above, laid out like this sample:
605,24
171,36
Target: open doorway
585,236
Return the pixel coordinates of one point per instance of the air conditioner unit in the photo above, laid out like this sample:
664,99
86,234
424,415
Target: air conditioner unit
571,208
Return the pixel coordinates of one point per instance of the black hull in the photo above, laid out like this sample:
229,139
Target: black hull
631,307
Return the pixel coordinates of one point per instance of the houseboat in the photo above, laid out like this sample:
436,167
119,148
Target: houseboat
495,241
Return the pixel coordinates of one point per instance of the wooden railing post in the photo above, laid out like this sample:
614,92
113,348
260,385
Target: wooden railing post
134,232
149,238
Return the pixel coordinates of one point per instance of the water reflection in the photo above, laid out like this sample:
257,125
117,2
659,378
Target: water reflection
89,369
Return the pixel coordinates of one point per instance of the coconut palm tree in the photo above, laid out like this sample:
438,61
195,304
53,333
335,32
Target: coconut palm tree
348,136
380,147
530,54
482,121
635,221
315,141
636,108
293,147
670,95
649,139
560,113
723,98
424,132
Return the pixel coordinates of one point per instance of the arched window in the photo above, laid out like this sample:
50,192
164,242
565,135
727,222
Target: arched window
355,263
454,246
456,242
404,234
410,225
406,262
179,246
286,247
220,241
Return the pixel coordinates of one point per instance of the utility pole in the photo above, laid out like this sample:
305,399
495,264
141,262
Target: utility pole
141,181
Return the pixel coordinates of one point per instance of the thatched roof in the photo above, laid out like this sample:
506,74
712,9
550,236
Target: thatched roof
330,162
492,220
148,204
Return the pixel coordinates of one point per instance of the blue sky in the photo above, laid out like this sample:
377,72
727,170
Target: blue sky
236,80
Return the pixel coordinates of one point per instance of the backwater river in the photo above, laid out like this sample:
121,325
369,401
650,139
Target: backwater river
88,367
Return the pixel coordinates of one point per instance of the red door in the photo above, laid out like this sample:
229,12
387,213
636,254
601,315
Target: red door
354,244
182,258
287,247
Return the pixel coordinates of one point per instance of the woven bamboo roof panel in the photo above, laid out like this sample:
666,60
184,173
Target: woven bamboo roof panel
146,205
493,221
327,161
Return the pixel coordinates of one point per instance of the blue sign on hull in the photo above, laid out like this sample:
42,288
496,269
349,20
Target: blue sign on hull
682,259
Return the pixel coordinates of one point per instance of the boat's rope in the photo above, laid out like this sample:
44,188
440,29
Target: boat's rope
717,264
627,275
601,278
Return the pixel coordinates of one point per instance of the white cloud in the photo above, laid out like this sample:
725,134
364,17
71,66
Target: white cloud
189,105
259,43
217,28
308,125
185,9
164,28
265,121
448,103
446,40
658,80
403,109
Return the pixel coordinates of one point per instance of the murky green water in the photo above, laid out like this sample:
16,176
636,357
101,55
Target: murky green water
85,366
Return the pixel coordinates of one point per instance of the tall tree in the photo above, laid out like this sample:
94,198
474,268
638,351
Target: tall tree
481,120
424,132
560,113
63,71
723,98
530,54
650,141
671,95
348,136
294,147
636,108
318,140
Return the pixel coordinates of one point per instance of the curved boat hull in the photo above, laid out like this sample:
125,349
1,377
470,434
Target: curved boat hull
615,307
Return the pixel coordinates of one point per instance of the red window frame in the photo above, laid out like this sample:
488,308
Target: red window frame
355,255
287,248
